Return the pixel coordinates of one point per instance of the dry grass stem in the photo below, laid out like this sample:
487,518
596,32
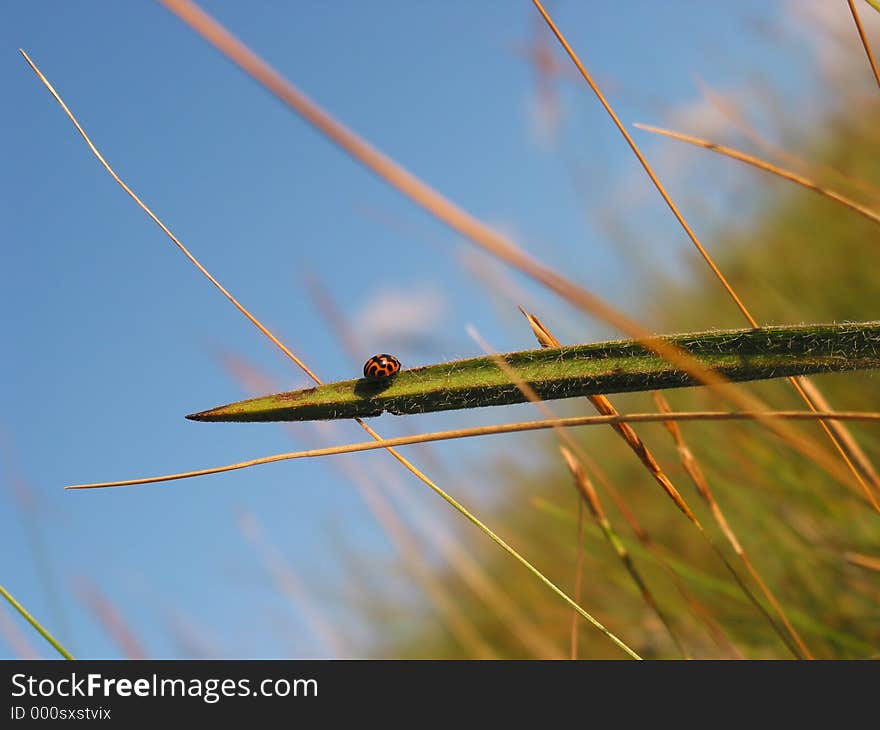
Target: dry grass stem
739,121
500,429
578,578
760,164
871,562
692,467
864,39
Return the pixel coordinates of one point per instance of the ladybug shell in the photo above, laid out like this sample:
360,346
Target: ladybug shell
381,366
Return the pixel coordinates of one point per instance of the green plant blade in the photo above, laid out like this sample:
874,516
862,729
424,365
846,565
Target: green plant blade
569,372
36,624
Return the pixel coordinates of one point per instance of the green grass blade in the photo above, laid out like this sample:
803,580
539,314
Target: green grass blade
36,624
568,372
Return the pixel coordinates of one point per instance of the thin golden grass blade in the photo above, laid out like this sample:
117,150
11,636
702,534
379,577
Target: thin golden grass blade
259,325
693,237
468,226
641,158
739,121
692,467
760,164
818,402
864,39
808,392
517,427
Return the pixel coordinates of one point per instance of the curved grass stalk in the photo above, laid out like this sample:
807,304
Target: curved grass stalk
495,430
760,164
737,118
36,624
568,372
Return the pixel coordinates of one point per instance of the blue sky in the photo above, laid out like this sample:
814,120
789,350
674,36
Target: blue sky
112,336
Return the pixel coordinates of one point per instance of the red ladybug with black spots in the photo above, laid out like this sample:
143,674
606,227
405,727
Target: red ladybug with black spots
381,366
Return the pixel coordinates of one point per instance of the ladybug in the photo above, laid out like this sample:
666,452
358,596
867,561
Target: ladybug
381,366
